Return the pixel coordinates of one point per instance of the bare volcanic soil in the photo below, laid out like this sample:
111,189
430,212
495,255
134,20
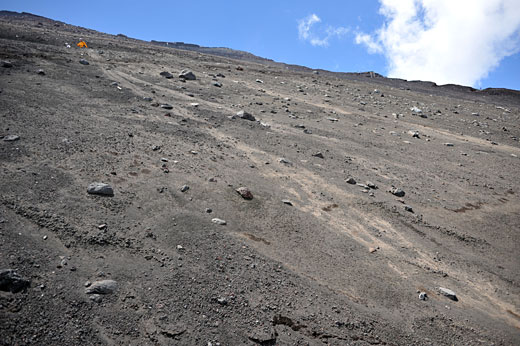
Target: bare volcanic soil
370,212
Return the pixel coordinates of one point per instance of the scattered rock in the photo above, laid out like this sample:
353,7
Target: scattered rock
397,192
286,201
246,116
102,287
351,181
218,221
11,138
166,106
372,185
41,72
260,81
372,249
285,161
6,64
83,62
10,281
416,110
414,134
166,75
263,336
185,188
448,144
448,293
408,209
423,296
222,301
97,298
319,155
245,193
217,84
307,131
100,189
187,75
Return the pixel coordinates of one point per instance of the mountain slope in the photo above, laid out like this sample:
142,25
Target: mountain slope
310,259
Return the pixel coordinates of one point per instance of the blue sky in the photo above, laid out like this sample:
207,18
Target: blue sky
332,35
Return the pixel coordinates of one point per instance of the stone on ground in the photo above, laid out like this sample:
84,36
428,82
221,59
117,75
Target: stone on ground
245,193
187,75
11,281
100,189
102,287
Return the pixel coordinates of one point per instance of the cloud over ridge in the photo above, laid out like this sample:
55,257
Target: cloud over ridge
445,41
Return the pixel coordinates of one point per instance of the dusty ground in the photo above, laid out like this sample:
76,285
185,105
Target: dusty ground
342,266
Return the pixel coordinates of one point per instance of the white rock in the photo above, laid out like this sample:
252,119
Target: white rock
218,221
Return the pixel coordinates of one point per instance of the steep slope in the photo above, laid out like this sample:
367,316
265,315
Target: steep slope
311,259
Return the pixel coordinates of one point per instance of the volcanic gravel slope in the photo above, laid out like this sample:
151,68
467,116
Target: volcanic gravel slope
336,263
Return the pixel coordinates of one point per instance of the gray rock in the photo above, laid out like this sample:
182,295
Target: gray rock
318,155
187,75
286,201
222,301
448,144
423,296
416,110
102,287
263,335
10,281
166,106
166,74
448,293
245,193
100,189
97,298
372,185
11,138
41,72
246,116
285,161
408,209
6,64
83,62
149,99
185,188
397,192
260,81
217,84
351,181
307,131
218,221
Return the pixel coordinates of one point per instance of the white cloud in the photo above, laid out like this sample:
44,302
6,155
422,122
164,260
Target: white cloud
445,41
320,36
373,46
304,26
